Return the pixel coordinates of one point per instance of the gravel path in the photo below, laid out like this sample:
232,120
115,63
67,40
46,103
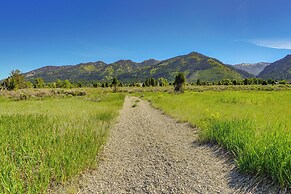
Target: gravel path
148,152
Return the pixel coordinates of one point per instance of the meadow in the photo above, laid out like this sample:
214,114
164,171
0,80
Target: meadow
49,136
253,125
46,140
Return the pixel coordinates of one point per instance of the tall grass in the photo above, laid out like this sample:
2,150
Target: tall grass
253,125
44,142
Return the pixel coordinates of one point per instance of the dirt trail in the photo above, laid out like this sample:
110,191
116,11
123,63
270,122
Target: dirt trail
148,152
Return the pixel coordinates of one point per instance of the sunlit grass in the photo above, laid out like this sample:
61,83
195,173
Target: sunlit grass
48,141
253,125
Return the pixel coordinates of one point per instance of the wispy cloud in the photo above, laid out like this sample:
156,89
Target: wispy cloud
275,44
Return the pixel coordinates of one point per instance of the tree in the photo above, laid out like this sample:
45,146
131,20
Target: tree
162,81
226,82
234,82
59,83
179,82
14,81
151,82
52,85
114,84
28,84
79,84
246,82
95,84
39,83
271,81
198,82
67,84
264,82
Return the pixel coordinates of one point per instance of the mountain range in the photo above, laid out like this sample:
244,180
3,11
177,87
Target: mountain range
194,65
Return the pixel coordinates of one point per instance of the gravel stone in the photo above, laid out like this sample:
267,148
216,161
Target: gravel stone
149,152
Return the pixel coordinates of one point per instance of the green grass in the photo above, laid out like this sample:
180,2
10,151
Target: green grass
44,142
253,125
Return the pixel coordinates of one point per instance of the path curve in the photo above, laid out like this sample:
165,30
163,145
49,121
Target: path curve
148,152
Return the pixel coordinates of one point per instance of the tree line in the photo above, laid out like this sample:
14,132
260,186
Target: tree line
246,81
16,80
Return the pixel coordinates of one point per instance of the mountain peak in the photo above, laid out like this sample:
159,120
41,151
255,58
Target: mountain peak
194,53
99,62
124,61
149,62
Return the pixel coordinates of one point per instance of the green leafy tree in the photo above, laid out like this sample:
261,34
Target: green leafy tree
28,84
67,84
95,84
39,83
80,85
198,82
179,82
52,85
226,82
271,81
234,82
14,81
59,83
115,84
246,82
162,81
63,84
264,82
151,82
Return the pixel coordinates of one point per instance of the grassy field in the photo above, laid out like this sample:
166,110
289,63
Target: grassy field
47,140
253,125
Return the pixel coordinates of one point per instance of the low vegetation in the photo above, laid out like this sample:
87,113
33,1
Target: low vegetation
51,133
45,141
253,125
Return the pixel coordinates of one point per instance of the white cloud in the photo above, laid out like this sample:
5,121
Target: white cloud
275,44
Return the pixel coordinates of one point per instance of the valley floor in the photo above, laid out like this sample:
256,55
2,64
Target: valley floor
148,152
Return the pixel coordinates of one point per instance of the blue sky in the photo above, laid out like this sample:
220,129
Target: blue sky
36,33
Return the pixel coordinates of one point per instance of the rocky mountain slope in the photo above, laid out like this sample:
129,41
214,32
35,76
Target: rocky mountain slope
252,68
278,70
